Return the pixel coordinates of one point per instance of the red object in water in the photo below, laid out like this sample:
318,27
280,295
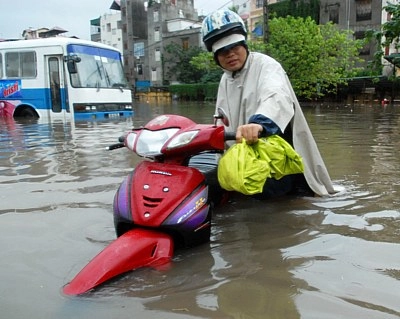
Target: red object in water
6,109
134,249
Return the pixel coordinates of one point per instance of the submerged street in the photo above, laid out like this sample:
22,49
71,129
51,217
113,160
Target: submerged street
334,257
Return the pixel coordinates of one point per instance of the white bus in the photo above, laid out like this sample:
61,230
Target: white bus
62,78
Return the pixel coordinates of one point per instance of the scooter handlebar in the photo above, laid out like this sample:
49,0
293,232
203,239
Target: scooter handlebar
115,146
230,136
120,144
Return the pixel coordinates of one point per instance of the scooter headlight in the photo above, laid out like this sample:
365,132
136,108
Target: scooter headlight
150,143
182,139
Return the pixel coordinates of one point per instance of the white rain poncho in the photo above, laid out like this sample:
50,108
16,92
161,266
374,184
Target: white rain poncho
262,87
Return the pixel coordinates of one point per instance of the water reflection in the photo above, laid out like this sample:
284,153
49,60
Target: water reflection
289,258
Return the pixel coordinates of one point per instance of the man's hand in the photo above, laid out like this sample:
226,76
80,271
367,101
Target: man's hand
250,132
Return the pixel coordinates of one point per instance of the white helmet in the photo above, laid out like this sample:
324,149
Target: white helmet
220,24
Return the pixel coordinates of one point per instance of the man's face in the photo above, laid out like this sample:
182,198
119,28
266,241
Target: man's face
232,59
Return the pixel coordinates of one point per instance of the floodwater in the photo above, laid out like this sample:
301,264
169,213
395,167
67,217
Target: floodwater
334,257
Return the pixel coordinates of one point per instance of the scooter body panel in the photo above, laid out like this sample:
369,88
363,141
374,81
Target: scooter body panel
157,189
135,249
168,197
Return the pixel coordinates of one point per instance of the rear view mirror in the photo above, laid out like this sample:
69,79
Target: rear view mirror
71,61
221,115
71,66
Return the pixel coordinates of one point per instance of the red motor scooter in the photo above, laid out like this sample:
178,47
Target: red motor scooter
165,202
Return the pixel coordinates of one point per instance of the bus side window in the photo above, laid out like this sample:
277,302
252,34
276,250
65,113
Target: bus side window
28,64
12,64
20,64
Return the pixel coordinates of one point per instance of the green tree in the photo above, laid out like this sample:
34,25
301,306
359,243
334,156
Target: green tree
389,34
316,57
204,63
177,60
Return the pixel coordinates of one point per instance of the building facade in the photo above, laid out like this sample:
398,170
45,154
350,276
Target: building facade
147,28
170,22
357,16
107,28
135,41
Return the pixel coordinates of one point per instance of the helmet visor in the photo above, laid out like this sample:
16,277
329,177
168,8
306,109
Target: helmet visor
227,41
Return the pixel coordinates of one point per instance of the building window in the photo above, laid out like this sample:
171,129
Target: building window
139,69
363,10
185,44
156,35
138,49
154,75
155,16
259,3
157,55
366,49
334,15
108,27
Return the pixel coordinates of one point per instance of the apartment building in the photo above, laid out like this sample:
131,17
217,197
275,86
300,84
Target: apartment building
149,26
357,16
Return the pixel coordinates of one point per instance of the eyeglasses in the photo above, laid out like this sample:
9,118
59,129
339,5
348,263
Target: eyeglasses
232,47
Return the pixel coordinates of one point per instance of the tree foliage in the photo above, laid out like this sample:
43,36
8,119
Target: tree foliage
178,58
204,63
388,34
390,31
315,57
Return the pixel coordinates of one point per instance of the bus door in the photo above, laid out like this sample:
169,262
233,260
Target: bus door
58,98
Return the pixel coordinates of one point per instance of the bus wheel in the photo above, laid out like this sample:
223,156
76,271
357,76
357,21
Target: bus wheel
26,112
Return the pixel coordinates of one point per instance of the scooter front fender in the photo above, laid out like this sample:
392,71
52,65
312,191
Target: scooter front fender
135,249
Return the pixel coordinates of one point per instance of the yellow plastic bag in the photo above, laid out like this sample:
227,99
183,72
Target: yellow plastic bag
241,170
244,168
284,160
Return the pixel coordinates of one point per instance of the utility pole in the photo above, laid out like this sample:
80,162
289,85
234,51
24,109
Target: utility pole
265,18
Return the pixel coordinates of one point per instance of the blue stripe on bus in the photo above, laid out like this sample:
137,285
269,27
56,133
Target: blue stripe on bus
38,98
72,48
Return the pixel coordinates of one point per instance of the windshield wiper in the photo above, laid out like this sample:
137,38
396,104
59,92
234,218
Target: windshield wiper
121,86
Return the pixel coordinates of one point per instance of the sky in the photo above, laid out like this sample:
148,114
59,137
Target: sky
71,15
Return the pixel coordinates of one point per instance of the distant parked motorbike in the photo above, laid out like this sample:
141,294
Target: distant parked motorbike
166,202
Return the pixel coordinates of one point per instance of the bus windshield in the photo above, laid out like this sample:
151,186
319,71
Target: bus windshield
98,68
